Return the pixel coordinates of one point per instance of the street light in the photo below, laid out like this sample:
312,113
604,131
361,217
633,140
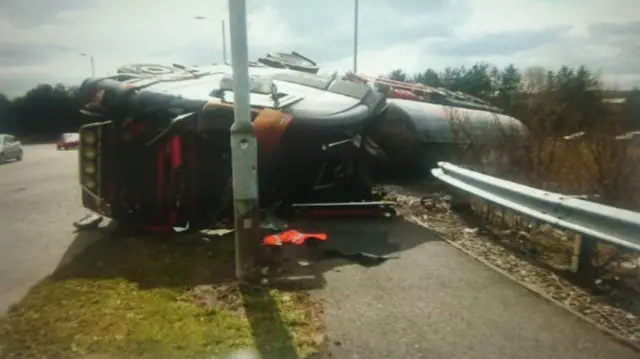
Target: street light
93,66
355,37
224,36
244,149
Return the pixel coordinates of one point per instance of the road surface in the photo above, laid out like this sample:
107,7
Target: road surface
436,302
433,302
39,200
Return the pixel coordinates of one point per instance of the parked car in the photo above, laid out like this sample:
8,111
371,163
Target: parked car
10,148
68,141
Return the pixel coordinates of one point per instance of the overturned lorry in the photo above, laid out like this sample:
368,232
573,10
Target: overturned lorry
158,150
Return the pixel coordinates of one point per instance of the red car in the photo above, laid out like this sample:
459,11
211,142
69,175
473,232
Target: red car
68,141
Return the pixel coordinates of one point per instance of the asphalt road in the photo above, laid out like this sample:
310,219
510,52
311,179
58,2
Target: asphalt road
436,302
39,200
432,302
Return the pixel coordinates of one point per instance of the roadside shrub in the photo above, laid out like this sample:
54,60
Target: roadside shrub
595,160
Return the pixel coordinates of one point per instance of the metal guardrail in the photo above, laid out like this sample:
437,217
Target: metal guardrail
628,136
591,220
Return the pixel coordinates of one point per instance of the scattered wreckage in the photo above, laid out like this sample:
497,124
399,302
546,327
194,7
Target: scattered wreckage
158,152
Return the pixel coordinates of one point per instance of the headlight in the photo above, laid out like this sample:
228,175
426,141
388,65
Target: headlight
90,153
89,138
90,168
91,184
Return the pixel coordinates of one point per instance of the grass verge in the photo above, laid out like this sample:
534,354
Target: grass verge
157,298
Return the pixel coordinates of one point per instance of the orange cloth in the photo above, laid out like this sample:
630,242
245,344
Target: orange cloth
291,237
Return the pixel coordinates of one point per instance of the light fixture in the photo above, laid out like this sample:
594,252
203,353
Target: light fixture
89,138
90,168
91,184
90,153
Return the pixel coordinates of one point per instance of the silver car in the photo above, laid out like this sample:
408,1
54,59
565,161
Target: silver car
10,148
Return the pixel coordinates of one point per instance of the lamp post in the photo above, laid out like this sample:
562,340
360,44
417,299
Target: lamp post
244,149
93,66
224,36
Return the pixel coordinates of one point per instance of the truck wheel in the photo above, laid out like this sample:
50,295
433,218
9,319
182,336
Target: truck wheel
153,70
293,61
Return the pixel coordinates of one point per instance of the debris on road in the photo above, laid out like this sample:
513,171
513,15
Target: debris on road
88,222
270,221
292,237
322,248
362,258
371,209
219,232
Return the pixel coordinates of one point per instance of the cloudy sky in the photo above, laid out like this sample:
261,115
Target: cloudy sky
41,41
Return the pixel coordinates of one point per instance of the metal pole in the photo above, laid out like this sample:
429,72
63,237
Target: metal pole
224,36
93,67
355,37
244,152
224,42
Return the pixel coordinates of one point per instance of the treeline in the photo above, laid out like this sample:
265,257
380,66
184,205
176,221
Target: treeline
568,99
43,112
565,101
553,104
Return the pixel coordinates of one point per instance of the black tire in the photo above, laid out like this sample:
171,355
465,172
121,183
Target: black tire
152,70
271,62
294,53
293,61
388,212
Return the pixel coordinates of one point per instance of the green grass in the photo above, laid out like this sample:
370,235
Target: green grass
157,298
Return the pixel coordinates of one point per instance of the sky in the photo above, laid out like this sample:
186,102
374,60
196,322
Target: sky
42,41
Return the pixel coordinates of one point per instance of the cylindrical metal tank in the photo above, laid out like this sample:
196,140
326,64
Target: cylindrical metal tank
419,134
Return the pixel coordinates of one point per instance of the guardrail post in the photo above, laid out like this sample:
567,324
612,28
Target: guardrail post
460,201
584,249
